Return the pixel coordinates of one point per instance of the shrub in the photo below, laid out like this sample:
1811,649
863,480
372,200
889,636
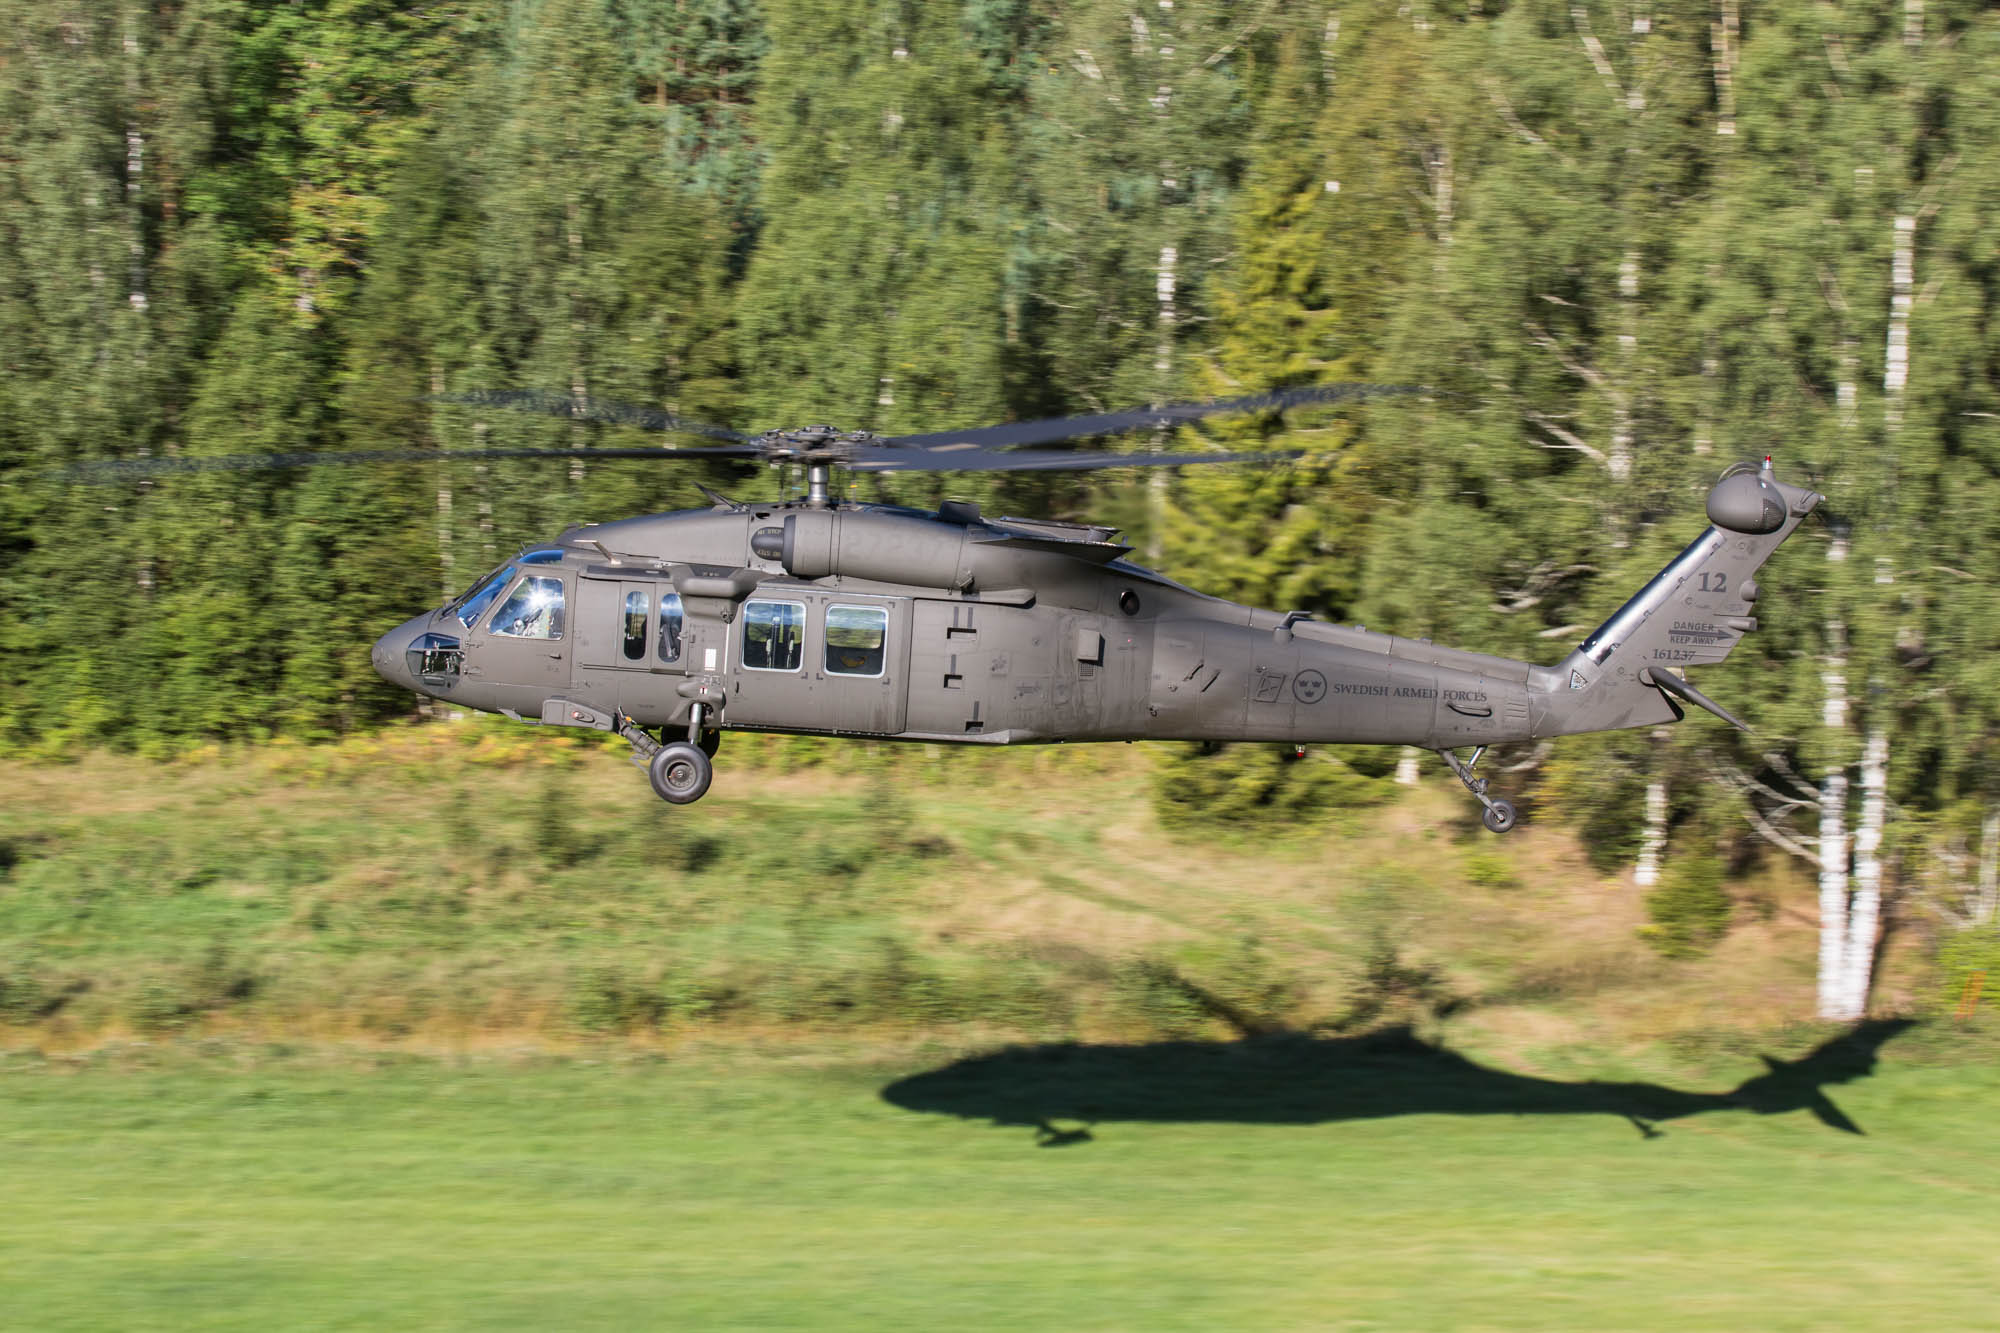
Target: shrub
1392,992
1690,910
1597,785
1488,869
1965,953
1252,787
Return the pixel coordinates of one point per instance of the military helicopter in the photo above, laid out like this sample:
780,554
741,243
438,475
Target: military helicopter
822,616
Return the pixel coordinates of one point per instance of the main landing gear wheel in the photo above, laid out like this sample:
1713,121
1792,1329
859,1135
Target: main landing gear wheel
1499,814
710,742
680,773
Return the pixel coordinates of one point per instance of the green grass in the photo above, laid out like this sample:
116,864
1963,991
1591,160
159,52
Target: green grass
446,887
731,1189
459,1027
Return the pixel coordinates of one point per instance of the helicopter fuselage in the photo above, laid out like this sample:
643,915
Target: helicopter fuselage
996,632
877,621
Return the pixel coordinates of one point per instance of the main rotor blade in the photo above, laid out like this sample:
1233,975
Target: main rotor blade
120,469
590,409
1051,460
1014,434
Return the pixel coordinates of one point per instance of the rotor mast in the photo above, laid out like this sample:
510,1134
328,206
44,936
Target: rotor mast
819,449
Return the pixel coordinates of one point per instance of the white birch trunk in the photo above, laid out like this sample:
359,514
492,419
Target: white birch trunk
1444,185
1986,904
1833,824
1832,891
1865,912
1619,463
1987,899
446,574
135,174
1722,40
1407,770
1903,282
482,485
1165,285
573,215
1647,873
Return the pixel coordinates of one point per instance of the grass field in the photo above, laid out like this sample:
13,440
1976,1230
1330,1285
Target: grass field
458,1027
452,888
747,1189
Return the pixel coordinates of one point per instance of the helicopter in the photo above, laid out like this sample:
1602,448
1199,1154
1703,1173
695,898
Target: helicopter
823,616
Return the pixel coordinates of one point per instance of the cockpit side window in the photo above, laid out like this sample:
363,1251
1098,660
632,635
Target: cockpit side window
481,595
534,611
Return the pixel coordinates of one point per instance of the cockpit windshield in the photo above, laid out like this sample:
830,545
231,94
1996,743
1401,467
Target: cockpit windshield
473,603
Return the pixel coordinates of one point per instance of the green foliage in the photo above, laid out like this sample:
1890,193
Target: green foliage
1690,909
1251,790
229,227
1488,868
1963,956
1598,784
1393,992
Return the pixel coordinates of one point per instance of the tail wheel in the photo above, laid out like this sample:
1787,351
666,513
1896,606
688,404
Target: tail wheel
680,773
1500,815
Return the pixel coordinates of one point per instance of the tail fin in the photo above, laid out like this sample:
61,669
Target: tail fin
1691,613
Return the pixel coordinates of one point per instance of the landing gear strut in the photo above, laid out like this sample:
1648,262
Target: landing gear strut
680,771
1500,814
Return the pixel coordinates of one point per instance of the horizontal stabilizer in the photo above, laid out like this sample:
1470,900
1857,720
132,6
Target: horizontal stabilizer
1674,685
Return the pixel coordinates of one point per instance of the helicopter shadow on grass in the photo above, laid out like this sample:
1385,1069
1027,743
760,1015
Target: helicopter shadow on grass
1304,1080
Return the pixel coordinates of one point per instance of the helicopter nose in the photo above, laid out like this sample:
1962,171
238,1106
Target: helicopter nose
390,654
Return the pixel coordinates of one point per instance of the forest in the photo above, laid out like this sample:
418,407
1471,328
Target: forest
1620,244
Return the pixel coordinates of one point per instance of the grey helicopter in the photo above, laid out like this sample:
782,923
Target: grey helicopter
823,616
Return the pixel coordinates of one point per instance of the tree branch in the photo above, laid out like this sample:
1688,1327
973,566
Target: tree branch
1744,782
1773,835
1542,338
1777,761
1568,440
1534,760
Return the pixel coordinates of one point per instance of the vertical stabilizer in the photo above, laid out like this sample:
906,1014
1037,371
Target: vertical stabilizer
1692,613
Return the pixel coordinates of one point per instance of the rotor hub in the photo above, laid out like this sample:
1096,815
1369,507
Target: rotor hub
813,445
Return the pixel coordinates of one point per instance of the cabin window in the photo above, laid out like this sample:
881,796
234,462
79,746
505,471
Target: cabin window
855,636
670,627
638,609
534,611
474,603
774,635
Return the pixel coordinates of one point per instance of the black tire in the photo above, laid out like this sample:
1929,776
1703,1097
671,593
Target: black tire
680,773
1500,816
710,742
